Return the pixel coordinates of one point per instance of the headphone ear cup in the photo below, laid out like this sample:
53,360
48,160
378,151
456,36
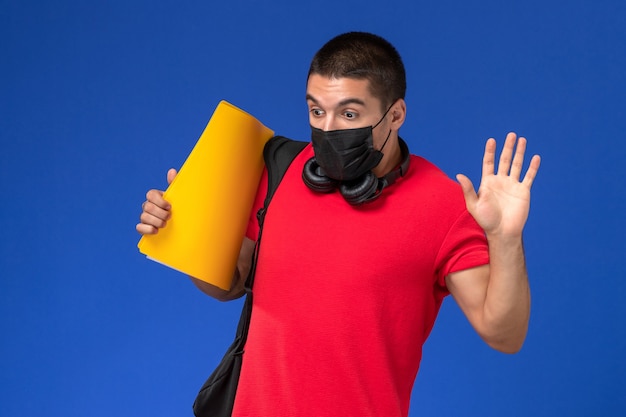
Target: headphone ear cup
360,190
314,178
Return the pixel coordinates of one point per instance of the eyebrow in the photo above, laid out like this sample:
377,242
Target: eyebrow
344,102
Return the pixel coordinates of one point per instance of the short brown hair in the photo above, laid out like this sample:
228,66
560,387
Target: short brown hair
363,55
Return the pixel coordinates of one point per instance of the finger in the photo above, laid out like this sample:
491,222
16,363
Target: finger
151,220
518,159
146,229
468,191
156,197
171,174
504,164
489,157
156,211
529,178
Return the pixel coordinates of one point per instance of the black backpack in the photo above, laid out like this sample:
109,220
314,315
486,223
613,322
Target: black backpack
217,396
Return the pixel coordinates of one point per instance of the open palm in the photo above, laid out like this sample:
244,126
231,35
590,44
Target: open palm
502,203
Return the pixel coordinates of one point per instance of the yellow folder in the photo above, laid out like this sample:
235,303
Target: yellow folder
211,199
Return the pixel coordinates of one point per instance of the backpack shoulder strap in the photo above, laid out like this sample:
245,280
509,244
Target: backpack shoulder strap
278,154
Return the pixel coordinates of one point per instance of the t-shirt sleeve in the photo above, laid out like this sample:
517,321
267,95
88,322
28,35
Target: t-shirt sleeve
252,231
465,246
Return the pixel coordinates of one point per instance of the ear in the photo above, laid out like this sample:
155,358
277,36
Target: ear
398,114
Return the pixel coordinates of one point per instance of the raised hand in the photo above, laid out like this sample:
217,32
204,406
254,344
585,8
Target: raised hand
502,203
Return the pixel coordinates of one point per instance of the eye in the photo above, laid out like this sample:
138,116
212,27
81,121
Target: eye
316,112
349,115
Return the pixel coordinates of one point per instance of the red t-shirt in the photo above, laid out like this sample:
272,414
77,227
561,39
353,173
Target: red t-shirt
345,297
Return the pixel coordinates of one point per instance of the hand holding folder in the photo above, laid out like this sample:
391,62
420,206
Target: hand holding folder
211,199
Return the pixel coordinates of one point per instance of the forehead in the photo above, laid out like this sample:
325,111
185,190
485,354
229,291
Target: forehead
334,92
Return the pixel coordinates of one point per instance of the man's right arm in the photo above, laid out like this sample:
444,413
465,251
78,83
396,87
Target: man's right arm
156,212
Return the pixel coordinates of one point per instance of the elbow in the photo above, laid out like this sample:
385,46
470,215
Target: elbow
216,292
505,334
227,295
506,342
510,347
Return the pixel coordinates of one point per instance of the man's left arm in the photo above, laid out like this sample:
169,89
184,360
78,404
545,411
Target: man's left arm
496,297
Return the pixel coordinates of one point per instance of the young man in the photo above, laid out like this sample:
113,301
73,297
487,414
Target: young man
362,243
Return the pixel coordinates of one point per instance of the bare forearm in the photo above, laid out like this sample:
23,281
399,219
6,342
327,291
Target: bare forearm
507,302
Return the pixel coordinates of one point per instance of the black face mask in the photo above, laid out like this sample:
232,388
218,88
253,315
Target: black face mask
347,154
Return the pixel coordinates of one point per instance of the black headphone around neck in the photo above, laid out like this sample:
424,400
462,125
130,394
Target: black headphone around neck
366,188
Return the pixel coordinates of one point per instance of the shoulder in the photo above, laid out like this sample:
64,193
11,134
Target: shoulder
429,180
423,168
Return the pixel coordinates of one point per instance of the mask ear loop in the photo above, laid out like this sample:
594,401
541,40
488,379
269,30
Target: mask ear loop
383,147
380,121
384,115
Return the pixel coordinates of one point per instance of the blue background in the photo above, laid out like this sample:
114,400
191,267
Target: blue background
98,99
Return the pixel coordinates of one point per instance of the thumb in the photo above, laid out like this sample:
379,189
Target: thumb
171,173
468,190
